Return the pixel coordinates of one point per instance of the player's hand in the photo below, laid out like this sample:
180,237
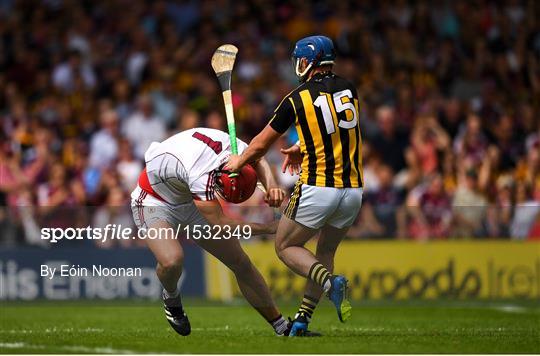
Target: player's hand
274,197
292,161
234,163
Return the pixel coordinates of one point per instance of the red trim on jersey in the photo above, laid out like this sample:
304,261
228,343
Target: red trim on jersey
208,187
140,208
144,183
195,196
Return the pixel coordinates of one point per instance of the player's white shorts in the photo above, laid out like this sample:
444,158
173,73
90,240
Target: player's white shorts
147,210
315,207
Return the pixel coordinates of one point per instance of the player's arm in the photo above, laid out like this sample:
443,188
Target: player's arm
274,194
283,118
255,150
213,213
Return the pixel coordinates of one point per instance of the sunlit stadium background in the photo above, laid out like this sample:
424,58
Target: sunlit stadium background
450,119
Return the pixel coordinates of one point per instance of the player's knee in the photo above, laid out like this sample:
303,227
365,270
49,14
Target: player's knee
171,262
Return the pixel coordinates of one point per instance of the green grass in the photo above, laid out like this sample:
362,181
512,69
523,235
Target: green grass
375,327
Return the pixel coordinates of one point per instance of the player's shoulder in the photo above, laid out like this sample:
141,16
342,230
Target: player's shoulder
324,79
345,83
290,95
332,82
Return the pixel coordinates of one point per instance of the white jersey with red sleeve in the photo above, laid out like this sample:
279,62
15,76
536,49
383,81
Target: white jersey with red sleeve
182,167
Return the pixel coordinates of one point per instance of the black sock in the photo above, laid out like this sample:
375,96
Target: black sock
307,308
320,275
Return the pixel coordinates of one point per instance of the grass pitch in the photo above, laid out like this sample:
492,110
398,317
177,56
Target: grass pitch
387,327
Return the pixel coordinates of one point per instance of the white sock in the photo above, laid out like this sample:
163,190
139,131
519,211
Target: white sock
327,285
279,325
174,294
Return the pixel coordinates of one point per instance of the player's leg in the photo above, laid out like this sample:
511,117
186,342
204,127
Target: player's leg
169,255
307,211
337,226
339,209
327,244
250,281
290,240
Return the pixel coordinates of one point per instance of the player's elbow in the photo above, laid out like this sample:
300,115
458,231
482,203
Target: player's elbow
280,250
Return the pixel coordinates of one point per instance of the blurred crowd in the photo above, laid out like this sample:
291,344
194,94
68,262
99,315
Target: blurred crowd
450,101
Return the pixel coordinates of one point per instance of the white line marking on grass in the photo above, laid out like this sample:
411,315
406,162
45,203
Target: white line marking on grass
509,308
374,329
12,345
99,350
219,328
16,331
53,330
75,348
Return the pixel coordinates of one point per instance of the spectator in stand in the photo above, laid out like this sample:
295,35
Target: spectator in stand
12,183
58,196
383,214
508,141
115,211
429,141
528,168
534,231
215,120
411,175
128,168
59,190
66,74
469,208
104,143
38,157
188,120
370,164
502,208
12,176
165,98
390,142
143,127
526,212
471,142
451,116
430,210
122,100
441,93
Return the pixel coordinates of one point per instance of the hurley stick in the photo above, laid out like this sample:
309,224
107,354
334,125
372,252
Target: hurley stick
223,63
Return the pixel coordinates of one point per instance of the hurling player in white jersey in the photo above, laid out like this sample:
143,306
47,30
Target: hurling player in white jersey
179,186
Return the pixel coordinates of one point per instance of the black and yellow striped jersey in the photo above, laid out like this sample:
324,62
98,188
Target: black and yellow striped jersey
325,112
